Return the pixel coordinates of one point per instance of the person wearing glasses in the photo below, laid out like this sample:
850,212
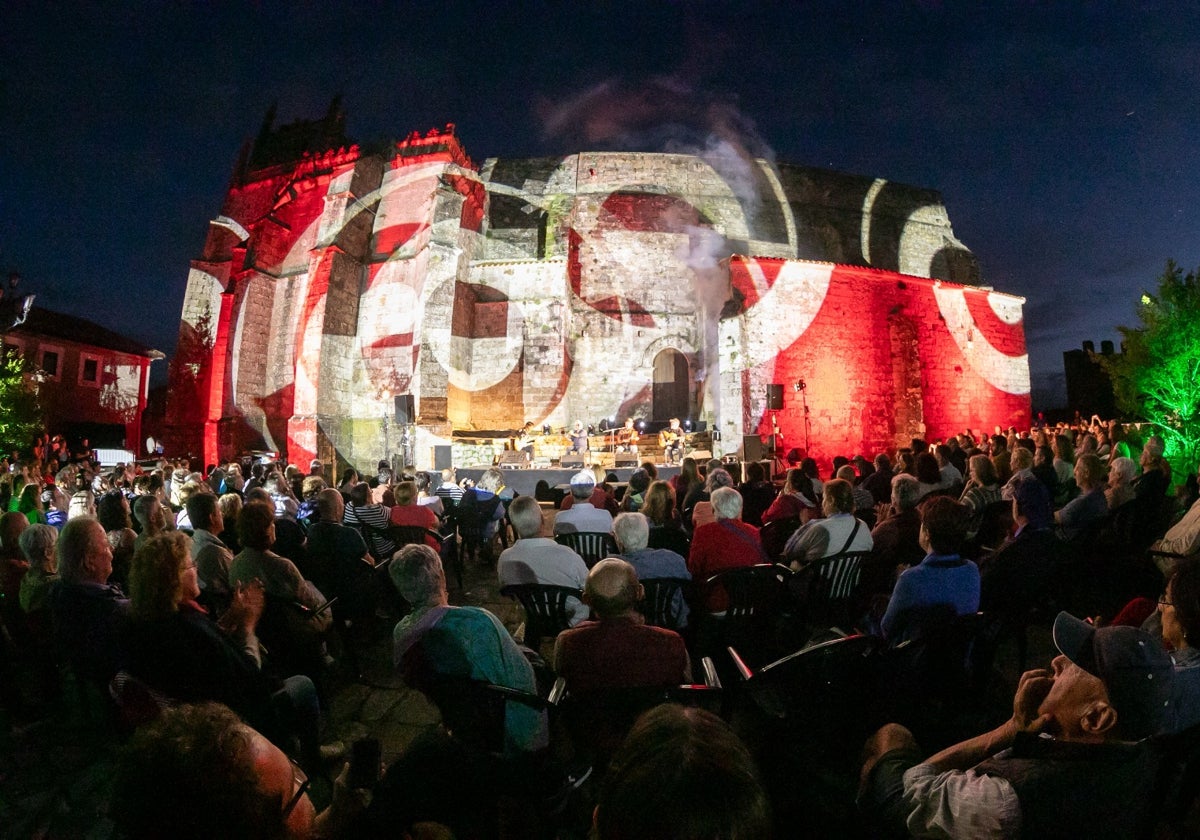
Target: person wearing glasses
199,772
1179,610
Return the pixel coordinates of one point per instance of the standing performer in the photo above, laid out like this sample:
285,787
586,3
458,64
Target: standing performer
579,438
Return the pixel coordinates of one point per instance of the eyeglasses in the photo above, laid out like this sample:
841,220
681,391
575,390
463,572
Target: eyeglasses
1163,602
301,784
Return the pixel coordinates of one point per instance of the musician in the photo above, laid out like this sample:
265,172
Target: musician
671,440
579,438
627,438
523,442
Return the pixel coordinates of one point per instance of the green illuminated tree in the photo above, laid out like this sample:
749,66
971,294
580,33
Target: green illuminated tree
1157,377
20,416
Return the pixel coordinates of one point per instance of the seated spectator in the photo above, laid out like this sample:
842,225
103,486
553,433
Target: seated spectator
951,475
635,494
582,516
982,489
211,555
1020,574
150,517
896,540
460,641
370,519
617,649
1120,482
688,478
13,564
231,509
928,474
1184,536
1022,465
797,499
113,512
309,488
837,533
338,559
173,646
879,483
1044,471
864,502
682,773
942,578
1155,479
426,496
484,505
55,504
290,537
30,503
632,532
1110,686
292,629
37,544
757,494
1090,505
89,613
727,543
1179,610
660,510
1064,458
199,772
407,511
535,558
702,512
448,491
83,503
190,488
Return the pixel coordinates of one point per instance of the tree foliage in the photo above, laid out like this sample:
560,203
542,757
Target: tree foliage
20,415
1157,377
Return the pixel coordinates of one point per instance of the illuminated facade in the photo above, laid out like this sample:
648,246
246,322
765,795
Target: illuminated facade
580,287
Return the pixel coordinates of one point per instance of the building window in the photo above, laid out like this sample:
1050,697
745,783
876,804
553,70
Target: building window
50,363
89,370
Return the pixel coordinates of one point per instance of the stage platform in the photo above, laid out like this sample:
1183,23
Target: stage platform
524,481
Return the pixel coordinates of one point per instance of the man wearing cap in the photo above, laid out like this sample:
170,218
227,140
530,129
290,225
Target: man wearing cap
1071,761
582,516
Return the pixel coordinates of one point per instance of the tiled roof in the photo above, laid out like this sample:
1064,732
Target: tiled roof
44,323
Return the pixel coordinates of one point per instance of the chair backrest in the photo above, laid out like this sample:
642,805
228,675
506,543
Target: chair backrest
995,523
751,590
137,703
545,608
817,678
775,534
403,535
836,578
592,546
664,601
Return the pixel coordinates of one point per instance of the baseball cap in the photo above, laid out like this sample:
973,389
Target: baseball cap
1135,670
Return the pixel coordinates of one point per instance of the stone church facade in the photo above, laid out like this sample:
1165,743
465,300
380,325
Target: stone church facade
336,279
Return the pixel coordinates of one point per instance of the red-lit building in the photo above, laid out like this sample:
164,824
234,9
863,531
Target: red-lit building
92,382
594,285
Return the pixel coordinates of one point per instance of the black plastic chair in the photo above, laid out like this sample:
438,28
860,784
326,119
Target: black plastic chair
826,590
545,609
664,601
775,534
592,546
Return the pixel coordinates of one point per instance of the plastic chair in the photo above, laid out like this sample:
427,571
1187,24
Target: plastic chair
776,533
665,601
592,546
545,609
826,589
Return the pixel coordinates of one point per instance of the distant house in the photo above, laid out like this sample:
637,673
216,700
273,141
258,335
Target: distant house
92,382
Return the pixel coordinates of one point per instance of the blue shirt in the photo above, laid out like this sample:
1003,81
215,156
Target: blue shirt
938,579
661,563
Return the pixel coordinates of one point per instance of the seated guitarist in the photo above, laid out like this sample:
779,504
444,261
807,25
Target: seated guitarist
671,440
627,438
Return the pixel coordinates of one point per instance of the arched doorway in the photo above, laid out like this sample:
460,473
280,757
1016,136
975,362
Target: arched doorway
671,381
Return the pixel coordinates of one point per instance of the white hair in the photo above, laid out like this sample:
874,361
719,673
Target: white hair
726,502
632,531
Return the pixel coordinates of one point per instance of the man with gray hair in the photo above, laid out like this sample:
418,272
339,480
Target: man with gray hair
632,531
89,613
460,641
534,558
582,516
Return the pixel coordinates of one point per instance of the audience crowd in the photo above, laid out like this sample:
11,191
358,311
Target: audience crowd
219,608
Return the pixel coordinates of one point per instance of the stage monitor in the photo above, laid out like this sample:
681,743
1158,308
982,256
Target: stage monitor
572,460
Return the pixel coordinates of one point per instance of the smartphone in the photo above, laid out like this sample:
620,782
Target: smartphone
365,758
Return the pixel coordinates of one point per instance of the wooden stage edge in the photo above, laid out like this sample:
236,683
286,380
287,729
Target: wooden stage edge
524,481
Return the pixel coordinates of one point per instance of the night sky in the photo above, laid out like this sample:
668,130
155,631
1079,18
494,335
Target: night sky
1064,140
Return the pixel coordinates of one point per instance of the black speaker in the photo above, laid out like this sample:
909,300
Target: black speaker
625,459
405,413
752,447
443,458
774,398
571,460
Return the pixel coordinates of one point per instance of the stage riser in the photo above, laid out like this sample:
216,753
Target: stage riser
524,482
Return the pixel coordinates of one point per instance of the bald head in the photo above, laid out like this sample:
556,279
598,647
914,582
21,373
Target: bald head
612,588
